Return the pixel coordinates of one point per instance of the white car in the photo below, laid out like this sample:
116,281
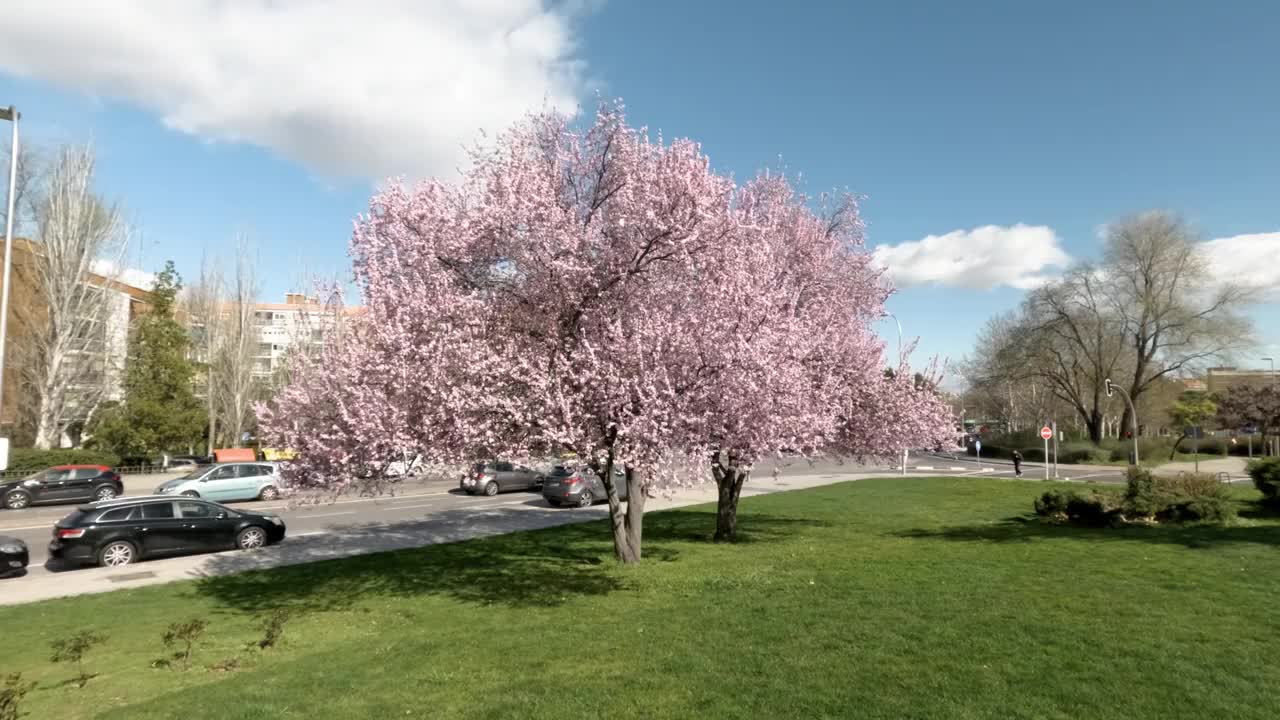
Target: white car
228,481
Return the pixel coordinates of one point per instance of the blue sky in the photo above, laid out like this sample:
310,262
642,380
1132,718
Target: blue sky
277,119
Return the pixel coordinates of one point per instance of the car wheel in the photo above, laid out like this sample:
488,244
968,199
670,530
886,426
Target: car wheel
251,538
117,553
191,493
106,492
491,489
17,499
586,499
269,493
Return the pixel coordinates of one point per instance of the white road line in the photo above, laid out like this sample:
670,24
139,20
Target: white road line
308,534
321,515
411,507
47,526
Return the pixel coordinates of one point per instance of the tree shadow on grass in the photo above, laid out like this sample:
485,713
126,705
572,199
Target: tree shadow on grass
542,566
700,526
1031,528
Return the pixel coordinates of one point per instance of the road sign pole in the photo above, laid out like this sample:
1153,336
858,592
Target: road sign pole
1055,449
1046,458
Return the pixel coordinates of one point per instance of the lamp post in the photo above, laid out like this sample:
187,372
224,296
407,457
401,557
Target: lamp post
1133,413
11,114
1272,362
905,451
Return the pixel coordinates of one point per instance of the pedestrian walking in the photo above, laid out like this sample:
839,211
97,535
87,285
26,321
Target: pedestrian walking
1017,463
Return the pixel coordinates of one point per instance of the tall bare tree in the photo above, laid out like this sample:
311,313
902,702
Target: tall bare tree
1175,314
27,191
239,334
67,328
203,307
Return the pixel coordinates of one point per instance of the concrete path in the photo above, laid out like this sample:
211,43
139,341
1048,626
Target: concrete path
1233,466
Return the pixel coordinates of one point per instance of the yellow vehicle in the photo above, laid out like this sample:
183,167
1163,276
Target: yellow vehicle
278,455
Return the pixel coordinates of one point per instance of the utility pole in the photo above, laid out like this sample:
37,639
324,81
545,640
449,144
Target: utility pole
1265,440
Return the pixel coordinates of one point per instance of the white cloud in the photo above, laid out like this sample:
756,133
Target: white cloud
982,258
140,279
345,87
1250,260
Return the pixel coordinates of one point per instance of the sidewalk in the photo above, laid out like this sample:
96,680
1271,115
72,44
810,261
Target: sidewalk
442,527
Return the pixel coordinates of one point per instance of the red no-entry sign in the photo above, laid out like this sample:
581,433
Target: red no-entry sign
1045,433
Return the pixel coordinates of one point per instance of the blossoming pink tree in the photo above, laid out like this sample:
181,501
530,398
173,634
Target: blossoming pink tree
603,294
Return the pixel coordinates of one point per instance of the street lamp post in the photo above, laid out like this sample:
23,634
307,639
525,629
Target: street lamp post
11,114
1133,413
1272,362
905,451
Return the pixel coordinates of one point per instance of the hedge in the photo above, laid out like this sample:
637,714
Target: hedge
29,460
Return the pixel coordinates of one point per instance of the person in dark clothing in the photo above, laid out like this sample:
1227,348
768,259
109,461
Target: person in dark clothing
1017,463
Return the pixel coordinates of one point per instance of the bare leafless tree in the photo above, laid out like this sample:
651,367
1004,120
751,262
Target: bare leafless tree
28,189
1176,315
233,358
203,305
67,328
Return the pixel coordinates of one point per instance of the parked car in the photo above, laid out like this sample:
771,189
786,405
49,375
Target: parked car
495,477
126,530
13,556
227,482
61,484
568,485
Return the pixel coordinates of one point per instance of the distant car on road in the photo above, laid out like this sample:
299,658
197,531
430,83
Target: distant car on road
127,530
495,477
580,487
61,484
227,482
13,556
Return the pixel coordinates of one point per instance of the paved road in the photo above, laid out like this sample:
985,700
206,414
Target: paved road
430,513
416,500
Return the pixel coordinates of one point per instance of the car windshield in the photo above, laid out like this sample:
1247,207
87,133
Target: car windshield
561,471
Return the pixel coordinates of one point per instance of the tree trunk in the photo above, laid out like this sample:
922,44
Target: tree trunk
49,419
729,482
1093,424
626,521
213,415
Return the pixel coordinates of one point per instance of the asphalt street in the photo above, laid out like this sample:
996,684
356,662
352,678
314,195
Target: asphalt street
413,500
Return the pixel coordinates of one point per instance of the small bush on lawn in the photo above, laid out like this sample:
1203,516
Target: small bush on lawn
29,460
1194,497
1093,509
1185,498
1053,504
1265,473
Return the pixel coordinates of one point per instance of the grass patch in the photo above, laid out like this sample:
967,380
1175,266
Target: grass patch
895,598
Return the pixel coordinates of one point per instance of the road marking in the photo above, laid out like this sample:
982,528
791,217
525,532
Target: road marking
308,534
30,527
308,515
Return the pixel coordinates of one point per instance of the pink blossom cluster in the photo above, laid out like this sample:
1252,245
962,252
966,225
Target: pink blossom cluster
605,294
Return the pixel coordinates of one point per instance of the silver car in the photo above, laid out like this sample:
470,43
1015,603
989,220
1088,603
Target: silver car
495,477
228,481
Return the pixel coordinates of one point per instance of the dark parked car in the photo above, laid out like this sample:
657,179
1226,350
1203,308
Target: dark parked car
119,532
495,477
579,486
62,484
13,556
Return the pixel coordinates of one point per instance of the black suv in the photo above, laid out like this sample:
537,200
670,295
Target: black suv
61,484
119,532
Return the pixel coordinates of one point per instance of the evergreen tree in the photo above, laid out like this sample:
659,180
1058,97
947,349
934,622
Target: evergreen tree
159,413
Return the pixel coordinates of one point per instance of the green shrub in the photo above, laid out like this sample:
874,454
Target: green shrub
1265,473
1053,504
1194,497
1189,497
1140,492
1095,509
29,460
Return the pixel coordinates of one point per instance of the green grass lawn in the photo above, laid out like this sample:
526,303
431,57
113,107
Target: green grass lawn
895,598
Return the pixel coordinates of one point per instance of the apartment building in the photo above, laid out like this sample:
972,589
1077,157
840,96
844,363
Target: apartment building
1219,379
300,322
94,370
